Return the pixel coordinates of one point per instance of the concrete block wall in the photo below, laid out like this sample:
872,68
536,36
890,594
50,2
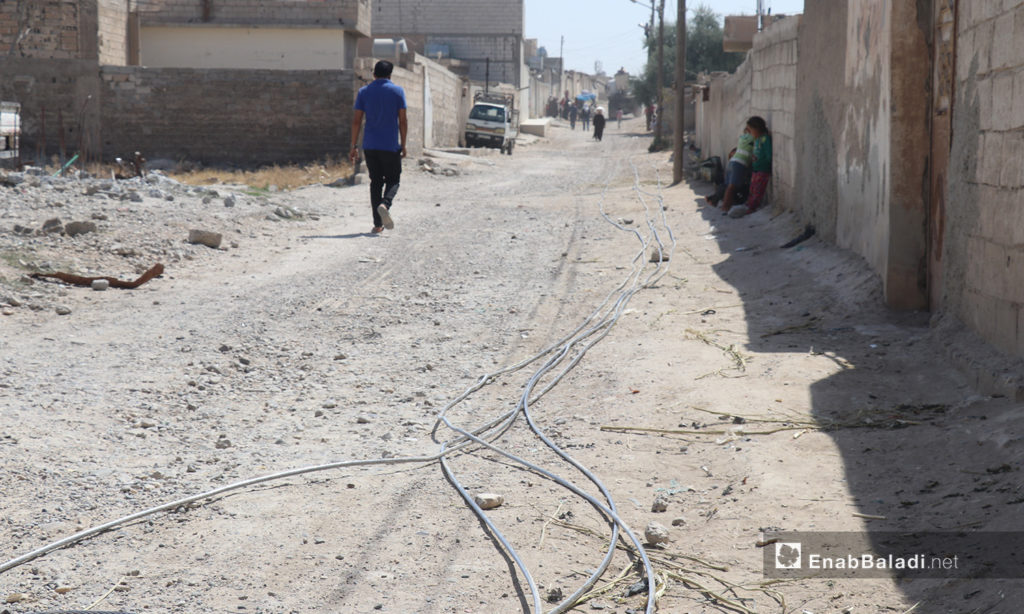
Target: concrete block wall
443,17
983,244
449,98
59,98
46,29
246,117
773,96
112,31
347,14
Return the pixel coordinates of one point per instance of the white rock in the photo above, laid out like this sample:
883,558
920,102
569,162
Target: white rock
488,500
656,534
100,284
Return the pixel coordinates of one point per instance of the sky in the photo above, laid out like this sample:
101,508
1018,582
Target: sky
608,30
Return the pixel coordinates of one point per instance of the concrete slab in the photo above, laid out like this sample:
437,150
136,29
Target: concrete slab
536,127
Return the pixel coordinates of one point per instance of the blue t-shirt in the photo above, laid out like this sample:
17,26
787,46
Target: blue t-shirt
380,102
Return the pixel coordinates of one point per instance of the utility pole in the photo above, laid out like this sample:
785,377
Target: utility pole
680,115
658,131
561,64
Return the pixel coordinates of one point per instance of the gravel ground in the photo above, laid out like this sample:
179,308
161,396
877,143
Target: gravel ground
303,340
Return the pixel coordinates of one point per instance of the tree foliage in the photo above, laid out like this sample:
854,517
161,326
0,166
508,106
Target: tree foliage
704,53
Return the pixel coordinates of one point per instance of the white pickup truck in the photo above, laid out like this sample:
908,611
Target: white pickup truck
493,122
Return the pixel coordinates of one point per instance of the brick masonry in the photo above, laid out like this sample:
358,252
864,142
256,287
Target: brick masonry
40,29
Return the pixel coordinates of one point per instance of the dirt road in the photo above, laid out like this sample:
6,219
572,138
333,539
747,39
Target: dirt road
781,396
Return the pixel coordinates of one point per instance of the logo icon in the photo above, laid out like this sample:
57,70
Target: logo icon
787,555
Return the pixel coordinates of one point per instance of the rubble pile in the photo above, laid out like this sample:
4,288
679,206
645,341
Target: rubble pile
93,226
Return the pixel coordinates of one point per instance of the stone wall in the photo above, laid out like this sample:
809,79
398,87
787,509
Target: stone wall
246,117
983,243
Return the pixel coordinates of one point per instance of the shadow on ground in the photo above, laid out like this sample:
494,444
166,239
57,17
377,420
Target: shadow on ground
921,449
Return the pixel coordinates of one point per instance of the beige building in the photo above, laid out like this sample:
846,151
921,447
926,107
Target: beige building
255,34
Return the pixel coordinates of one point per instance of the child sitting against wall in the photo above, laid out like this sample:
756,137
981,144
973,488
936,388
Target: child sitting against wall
738,171
761,167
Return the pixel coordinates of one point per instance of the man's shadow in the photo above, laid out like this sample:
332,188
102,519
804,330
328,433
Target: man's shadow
353,235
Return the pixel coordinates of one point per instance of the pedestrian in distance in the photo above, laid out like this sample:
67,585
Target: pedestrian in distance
599,122
573,112
618,118
382,103
586,118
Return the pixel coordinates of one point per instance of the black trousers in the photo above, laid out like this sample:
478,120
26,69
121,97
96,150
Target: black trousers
385,168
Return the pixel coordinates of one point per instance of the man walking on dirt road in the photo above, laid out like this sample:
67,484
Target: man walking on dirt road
382,103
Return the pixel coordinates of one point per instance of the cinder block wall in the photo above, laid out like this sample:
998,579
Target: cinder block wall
983,244
348,14
59,99
440,17
237,116
46,28
773,96
112,25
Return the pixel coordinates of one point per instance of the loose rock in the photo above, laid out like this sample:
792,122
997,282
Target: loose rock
656,534
488,501
100,284
63,310
205,237
52,225
73,229
660,504
678,521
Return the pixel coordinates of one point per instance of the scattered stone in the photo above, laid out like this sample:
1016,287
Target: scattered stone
102,217
223,443
329,405
205,237
147,424
362,420
245,361
659,256
656,534
63,310
336,356
627,221
16,597
63,590
660,504
488,500
12,179
318,413
191,469
100,285
678,521
229,201
21,230
555,595
12,301
224,348
53,225
134,196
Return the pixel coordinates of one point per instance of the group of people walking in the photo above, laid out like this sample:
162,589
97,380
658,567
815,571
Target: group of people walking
586,116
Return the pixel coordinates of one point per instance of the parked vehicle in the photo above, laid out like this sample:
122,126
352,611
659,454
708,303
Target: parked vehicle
493,122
